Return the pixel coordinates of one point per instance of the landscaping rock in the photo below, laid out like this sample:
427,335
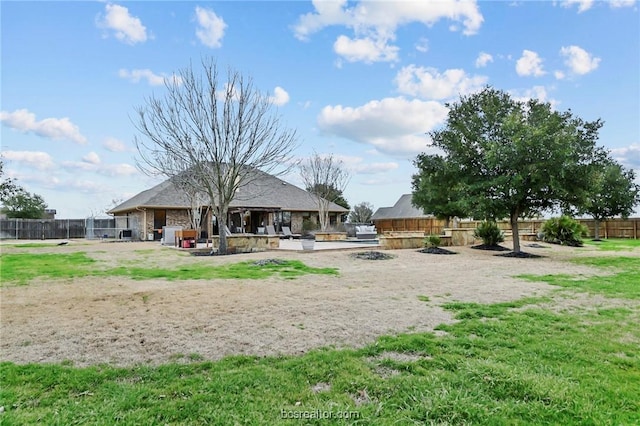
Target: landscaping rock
372,255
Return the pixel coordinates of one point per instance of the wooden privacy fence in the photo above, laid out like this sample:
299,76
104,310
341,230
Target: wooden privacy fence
613,228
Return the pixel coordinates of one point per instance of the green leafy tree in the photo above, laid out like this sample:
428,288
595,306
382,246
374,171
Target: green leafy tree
24,205
361,213
613,193
437,188
514,159
331,192
8,187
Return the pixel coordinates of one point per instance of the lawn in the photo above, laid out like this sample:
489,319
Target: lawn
20,268
529,361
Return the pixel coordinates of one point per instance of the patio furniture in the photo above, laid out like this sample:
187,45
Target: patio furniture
286,233
271,230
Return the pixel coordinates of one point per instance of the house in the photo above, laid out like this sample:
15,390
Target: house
404,217
265,200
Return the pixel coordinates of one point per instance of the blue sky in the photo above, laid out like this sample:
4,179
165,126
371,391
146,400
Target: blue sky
361,80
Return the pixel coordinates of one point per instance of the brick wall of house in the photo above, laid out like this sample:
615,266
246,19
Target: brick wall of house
178,218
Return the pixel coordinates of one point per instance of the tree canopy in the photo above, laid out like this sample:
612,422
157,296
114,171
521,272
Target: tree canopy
437,188
508,158
8,187
24,205
613,192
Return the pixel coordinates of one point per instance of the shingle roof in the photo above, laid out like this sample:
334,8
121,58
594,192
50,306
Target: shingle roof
402,209
267,191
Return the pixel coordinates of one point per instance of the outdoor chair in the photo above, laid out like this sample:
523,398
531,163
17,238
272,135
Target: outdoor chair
271,230
286,233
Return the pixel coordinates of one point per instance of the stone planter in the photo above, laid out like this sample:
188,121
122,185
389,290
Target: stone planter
307,244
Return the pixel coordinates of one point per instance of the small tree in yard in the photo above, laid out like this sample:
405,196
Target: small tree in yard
361,213
325,177
613,193
512,159
220,131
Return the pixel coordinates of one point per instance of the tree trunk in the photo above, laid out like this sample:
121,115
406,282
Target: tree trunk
222,214
597,231
514,232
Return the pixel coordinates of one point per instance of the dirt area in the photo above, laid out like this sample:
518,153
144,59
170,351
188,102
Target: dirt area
122,322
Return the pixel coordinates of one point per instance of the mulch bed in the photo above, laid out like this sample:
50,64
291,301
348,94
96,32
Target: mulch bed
520,255
372,255
491,248
436,250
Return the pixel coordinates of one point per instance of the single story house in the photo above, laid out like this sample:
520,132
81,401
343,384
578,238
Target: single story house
265,200
404,217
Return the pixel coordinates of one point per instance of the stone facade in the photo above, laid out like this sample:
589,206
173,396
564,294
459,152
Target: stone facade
242,243
178,218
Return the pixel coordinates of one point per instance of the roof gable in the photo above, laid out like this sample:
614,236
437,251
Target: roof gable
402,209
263,191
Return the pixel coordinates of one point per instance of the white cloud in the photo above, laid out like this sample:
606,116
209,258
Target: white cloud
211,27
391,125
114,145
483,59
358,166
152,79
280,96
529,64
53,128
559,75
367,50
578,60
110,170
91,158
429,83
374,23
375,168
628,156
127,28
583,5
114,170
36,159
536,92
422,45
621,3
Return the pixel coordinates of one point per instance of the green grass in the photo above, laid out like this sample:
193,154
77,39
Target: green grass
617,244
623,281
510,363
20,268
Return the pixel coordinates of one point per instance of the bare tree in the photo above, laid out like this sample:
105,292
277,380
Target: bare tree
325,177
361,213
221,132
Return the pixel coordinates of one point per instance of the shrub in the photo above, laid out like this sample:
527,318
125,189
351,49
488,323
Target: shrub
489,233
564,230
432,241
